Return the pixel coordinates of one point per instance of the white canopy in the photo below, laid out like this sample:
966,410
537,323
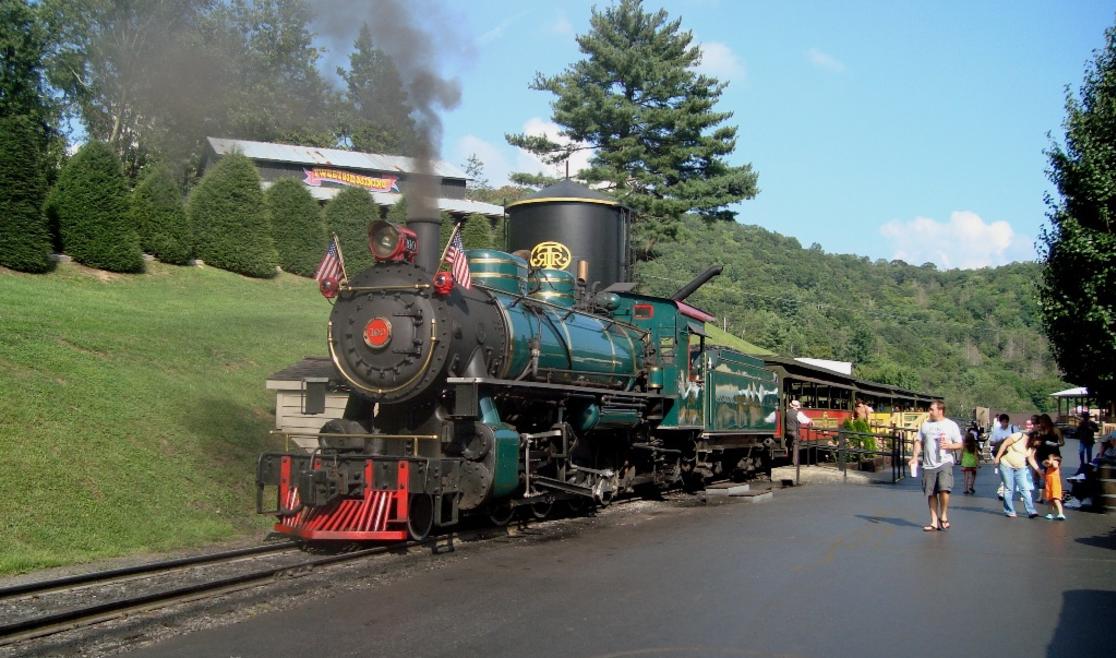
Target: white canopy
1078,392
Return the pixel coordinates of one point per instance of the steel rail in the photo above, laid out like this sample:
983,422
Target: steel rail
97,577
86,616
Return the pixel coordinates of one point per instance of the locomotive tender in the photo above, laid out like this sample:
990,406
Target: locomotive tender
526,389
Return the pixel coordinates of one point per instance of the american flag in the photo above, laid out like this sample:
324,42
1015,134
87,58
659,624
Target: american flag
330,267
459,264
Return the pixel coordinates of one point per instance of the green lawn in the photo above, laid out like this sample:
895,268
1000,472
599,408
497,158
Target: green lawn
133,406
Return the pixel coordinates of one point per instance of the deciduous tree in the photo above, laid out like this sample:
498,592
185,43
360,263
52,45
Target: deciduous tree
1078,289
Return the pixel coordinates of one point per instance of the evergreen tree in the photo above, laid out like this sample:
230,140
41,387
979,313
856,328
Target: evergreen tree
348,215
476,233
296,223
90,205
229,219
24,237
380,119
638,102
160,217
1078,288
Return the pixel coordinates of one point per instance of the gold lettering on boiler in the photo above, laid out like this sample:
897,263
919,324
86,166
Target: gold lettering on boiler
551,255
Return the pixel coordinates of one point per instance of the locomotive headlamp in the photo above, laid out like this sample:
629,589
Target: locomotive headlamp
390,243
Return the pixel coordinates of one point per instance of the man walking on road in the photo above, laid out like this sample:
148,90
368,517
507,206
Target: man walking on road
936,439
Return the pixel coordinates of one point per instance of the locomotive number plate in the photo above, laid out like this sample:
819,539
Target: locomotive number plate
377,333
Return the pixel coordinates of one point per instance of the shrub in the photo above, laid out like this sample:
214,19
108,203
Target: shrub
296,224
160,217
24,237
348,215
229,219
476,233
90,204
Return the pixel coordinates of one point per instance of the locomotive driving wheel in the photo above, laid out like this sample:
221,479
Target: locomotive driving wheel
420,516
542,508
500,513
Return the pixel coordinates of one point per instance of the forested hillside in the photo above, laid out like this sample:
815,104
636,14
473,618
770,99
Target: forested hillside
973,336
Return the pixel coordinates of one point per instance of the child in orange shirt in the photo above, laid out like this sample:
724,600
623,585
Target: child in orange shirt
1052,491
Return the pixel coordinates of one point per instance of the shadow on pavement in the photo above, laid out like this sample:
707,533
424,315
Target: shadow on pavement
1100,541
1082,630
890,520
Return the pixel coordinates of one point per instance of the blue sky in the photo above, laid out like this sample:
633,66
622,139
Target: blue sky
899,129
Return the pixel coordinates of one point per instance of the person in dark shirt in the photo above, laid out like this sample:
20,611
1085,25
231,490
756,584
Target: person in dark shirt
1047,442
1084,434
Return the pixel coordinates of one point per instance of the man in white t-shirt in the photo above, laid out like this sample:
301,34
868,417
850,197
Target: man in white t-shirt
1000,431
936,439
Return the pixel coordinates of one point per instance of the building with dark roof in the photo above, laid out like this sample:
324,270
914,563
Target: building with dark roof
326,171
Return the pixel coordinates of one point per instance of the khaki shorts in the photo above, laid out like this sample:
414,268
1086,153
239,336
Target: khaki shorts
937,480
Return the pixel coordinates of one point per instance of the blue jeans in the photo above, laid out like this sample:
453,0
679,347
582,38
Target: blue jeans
1016,479
1084,455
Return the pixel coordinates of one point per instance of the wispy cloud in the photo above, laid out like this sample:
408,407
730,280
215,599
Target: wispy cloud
530,163
501,159
562,25
966,241
495,157
719,61
498,30
825,61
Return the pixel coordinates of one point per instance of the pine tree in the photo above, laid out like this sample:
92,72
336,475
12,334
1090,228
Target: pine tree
90,205
348,215
24,237
476,233
160,217
1078,290
638,102
380,120
296,223
229,219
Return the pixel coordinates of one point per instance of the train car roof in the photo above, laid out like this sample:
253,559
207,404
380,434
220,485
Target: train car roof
817,374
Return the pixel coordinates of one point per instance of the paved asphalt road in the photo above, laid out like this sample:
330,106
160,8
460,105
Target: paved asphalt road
837,570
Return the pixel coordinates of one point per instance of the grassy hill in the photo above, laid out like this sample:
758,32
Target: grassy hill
134,406
973,336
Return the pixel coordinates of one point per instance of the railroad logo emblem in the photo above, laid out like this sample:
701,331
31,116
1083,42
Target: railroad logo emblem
551,255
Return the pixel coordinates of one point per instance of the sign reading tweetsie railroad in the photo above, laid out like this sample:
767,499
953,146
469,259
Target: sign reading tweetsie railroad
315,176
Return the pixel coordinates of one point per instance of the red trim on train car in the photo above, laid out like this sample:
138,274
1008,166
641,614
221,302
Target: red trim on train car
376,516
694,312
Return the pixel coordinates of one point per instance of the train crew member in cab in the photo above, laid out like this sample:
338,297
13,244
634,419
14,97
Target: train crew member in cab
793,422
936,438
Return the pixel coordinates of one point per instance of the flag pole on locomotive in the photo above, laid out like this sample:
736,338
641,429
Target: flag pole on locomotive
331,271
453,255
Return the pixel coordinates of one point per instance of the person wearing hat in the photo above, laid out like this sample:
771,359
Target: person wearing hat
793,422
1086,430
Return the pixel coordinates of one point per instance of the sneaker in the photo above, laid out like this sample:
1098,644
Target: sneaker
1049,516
1032,515
1010,516
1060,517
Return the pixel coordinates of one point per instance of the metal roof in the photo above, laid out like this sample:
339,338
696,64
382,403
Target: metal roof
331,157
566,191
462,206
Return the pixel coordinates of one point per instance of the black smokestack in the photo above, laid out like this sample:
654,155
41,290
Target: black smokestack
699,281
395,29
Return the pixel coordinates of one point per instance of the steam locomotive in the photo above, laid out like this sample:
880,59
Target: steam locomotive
529,388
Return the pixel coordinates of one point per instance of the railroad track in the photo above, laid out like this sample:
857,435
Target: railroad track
56,621
42,625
